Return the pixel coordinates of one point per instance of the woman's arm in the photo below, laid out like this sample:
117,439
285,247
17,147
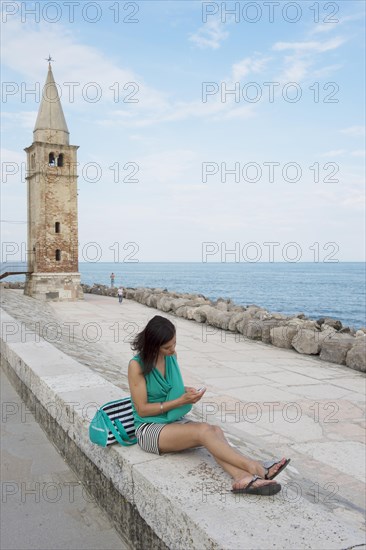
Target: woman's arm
137,383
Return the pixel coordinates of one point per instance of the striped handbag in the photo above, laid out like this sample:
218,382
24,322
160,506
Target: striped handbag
113,422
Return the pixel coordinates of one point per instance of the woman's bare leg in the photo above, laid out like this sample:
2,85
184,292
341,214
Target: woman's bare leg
177,437
241,477
236,473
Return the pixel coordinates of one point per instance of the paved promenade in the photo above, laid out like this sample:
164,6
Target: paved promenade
269,401
43,504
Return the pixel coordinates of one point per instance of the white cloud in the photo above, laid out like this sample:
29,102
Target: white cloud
299,64
354,131
248,65
8,155
79,63
333,153
310,46
244,112
335,22
322,28
81,71
296,70
210,35
326,71
24,119
360,153
175,111
355,201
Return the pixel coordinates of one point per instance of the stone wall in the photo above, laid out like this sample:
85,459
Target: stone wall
51,286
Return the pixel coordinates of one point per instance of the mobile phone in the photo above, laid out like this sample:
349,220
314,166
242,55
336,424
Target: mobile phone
202,388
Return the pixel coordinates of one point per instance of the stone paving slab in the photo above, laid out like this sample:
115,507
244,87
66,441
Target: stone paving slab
44,506
325,443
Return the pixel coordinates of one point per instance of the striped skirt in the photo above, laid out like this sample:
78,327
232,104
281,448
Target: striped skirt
148,435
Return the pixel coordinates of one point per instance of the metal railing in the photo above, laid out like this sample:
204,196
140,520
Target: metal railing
18,268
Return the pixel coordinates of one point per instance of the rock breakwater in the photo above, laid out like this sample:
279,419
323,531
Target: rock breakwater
324,337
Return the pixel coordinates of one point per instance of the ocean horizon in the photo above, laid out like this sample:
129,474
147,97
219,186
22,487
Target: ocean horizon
326,289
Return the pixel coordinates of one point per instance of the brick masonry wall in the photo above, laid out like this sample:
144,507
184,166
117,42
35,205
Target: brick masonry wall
52,197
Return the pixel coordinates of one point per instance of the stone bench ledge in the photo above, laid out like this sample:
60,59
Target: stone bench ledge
184,498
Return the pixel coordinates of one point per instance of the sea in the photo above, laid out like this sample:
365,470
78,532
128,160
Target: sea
324,289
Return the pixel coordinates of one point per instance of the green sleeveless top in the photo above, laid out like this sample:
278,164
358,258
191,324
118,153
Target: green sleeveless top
160,389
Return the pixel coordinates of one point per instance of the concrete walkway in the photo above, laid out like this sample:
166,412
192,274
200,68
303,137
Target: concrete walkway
43,504
269,401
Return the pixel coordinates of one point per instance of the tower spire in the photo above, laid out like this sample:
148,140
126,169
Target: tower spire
52,204
51,125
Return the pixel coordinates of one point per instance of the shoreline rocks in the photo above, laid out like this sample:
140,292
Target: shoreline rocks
324,337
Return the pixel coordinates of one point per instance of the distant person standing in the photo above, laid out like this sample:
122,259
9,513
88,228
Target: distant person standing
112,279
120,294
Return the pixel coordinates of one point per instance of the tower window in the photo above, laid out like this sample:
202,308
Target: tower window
60,160
51,159
33,161
58,255
57,227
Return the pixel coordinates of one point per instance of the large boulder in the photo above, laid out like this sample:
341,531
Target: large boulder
130,293
282,337
198,301
308,341
241,326
266,328
152,300
330,331
279,316
253,329
262,315
217,318
181,312
165,303
311,325
190,312
235,319
200,314
356,357
221,304
334,323
335,348
252,309
236,309
177,303
141,295
194,297
186,312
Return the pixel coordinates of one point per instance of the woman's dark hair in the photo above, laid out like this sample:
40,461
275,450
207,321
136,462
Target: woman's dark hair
157,332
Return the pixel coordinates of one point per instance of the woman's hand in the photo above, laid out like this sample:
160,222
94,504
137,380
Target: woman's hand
191,396
188,389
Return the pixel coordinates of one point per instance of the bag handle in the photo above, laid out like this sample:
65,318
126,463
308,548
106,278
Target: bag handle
126,438
119,436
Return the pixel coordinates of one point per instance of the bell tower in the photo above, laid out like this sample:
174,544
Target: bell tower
52,204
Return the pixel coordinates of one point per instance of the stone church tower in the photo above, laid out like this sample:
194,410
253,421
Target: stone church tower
52,204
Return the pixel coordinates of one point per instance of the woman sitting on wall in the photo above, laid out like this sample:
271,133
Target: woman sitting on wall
160,401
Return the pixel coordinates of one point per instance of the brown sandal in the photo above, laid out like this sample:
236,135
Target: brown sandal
265,490
270,463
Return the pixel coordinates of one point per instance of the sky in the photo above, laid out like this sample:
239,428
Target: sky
207,131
